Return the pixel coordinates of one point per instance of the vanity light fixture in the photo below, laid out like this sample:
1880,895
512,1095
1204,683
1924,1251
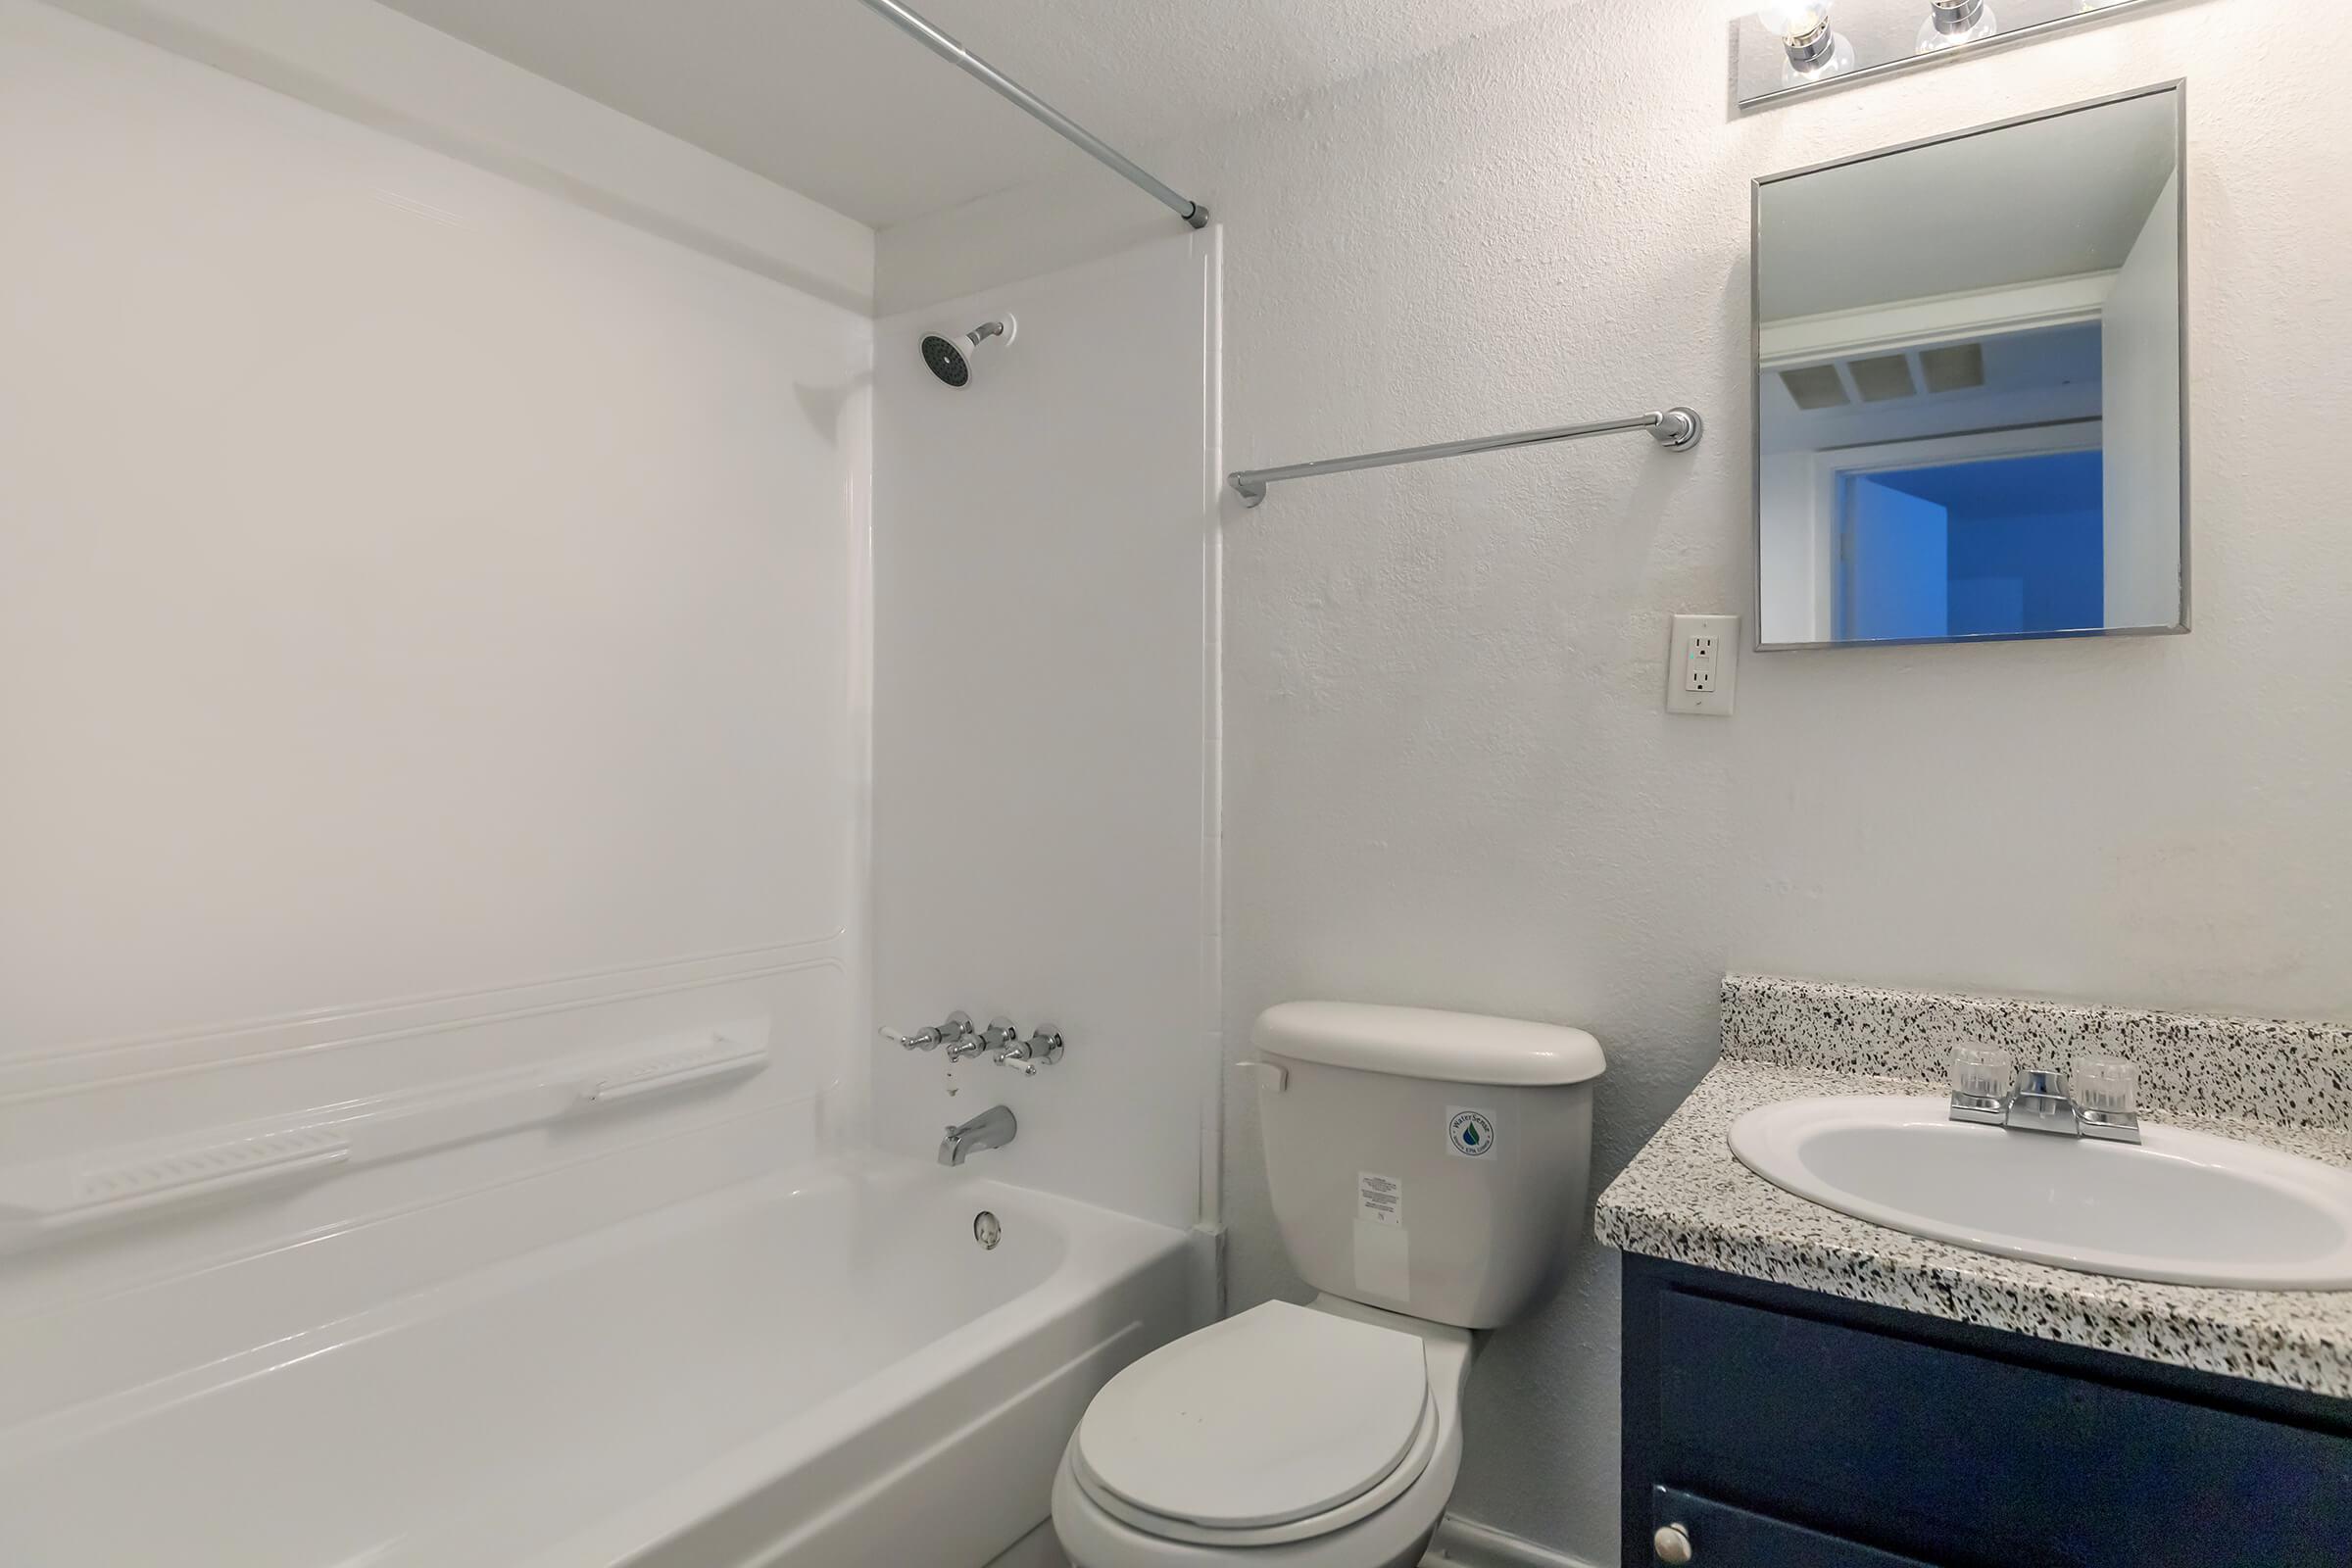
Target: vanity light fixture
1953,23
1781,49
1812,46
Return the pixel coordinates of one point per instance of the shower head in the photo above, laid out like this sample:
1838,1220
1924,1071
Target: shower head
951,357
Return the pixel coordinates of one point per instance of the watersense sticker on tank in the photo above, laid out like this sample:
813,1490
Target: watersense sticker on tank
1470,1133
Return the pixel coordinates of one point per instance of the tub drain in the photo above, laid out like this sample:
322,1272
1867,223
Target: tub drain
986,1230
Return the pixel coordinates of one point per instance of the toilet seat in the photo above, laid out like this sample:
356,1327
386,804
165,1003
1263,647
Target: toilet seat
1279,1425
1309,1527
1386,1526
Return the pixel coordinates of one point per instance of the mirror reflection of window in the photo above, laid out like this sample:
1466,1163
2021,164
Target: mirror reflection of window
1968,385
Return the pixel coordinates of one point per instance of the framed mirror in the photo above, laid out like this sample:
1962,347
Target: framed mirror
1970,384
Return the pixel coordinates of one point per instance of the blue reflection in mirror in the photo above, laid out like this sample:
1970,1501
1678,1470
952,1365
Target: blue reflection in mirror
2000,547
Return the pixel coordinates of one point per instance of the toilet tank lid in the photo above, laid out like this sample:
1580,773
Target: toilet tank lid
1467,1047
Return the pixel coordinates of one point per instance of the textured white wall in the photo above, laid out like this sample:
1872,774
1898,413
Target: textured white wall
1447,777
1045,671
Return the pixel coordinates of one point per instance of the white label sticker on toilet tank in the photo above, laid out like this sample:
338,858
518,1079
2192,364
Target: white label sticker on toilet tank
1470,1133
1379,1198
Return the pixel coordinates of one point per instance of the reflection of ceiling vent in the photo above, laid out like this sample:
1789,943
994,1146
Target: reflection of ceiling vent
1816,386
1886,377
1882,377
1955,369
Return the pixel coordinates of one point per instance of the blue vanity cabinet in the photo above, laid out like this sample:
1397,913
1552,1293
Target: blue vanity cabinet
1785,1428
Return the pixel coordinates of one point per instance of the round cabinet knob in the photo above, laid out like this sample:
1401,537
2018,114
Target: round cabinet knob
1671,1543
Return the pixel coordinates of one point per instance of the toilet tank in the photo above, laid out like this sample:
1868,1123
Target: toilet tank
1431,1163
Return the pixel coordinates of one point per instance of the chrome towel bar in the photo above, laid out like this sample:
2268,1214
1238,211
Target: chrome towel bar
1677,429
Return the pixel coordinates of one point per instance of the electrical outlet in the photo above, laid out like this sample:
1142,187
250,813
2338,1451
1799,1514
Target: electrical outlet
1699,662
1702,664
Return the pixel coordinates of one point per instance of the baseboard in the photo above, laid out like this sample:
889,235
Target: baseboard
1467,1543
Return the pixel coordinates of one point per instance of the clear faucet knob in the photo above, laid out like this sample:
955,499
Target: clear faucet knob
2106,1083
1984,1072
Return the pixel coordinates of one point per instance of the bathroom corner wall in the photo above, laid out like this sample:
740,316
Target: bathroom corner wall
429,619
1044,800
1448,778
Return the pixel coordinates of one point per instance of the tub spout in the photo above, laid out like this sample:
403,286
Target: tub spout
992,1128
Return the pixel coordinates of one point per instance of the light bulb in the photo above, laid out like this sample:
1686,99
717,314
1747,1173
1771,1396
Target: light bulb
1813,46
1953,23
1794,19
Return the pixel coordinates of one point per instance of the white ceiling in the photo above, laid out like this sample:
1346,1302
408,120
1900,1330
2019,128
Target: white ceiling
2051,198
827,98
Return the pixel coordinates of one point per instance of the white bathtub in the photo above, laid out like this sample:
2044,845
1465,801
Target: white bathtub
825,1371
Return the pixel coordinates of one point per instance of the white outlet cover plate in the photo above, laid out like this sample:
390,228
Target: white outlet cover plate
1715,703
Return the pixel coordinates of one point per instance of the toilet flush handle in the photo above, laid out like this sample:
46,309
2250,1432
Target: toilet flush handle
1272,1076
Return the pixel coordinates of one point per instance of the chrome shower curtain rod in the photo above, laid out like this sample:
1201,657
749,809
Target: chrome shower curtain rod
1675,430
956,54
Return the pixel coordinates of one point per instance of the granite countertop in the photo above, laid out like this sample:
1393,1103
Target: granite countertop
1688,1199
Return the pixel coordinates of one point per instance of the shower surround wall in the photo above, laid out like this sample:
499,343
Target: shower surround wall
1448,779
1045,790
432,643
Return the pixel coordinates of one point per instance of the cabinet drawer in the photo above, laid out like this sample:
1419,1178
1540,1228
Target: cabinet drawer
1724,1536
1969,1459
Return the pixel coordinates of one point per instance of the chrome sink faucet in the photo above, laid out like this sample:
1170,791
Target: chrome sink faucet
992,1128
2095,1100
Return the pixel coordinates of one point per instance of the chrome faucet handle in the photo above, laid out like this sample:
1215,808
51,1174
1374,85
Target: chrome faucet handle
2104,1084
1983,1078
1982,1071
2105,1091
999,1034
1043,1049
957,1028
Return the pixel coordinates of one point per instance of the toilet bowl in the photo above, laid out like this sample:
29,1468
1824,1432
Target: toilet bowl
1428,1171
1289,1436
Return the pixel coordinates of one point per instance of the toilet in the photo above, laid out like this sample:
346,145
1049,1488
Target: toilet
1428,1171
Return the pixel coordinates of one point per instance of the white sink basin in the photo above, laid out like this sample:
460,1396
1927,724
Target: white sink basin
2183,1207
